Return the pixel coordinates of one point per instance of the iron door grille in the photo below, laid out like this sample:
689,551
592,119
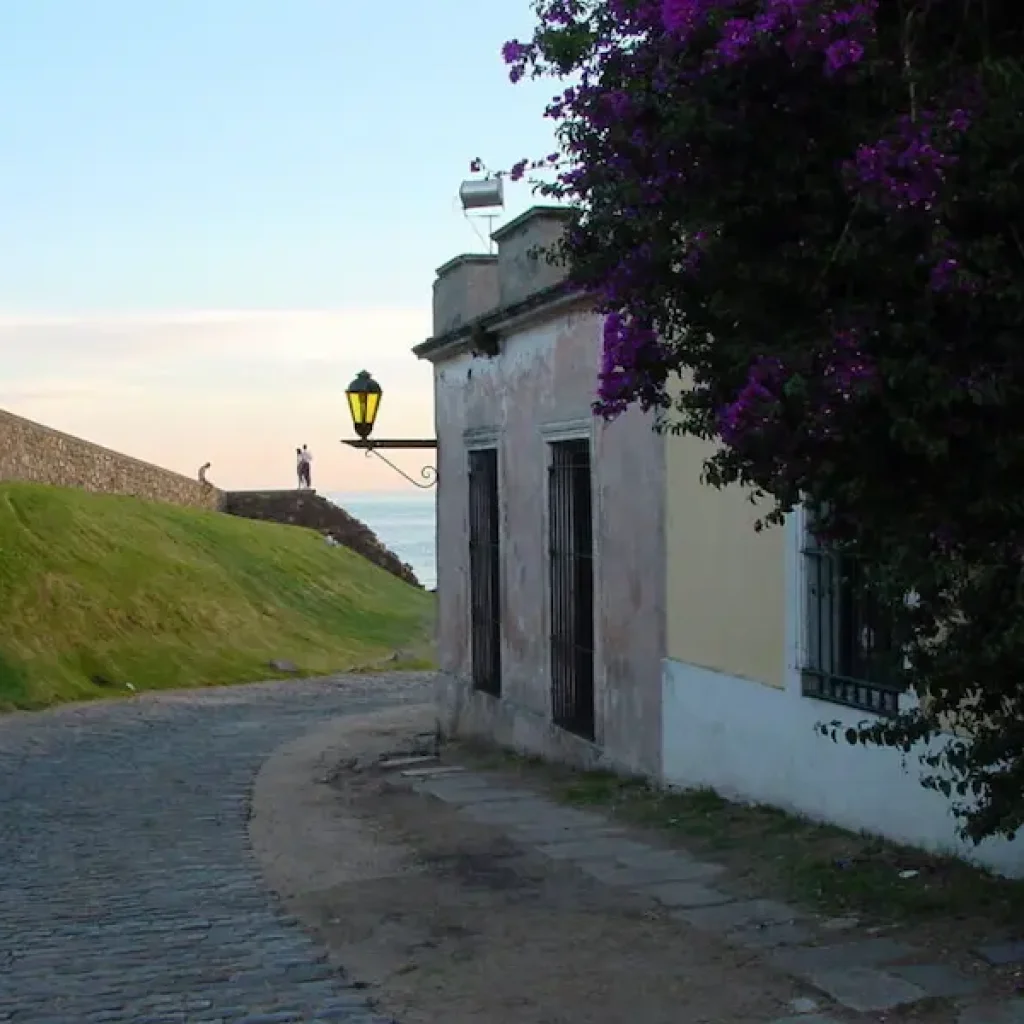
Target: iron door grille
485,571
572,587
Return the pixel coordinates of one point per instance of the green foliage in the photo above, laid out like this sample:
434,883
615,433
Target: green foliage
825,234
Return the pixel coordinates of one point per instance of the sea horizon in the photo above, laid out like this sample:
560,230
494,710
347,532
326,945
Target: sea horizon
404,523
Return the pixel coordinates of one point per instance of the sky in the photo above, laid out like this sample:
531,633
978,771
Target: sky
215,212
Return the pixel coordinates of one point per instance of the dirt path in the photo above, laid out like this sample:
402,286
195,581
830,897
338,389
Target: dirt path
450,920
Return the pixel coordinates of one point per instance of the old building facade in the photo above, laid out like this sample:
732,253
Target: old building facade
600,604
551,561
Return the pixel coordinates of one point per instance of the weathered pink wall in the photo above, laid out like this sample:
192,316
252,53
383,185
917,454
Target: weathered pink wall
540,388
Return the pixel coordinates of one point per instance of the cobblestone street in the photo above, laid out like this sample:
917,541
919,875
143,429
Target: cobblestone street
128,890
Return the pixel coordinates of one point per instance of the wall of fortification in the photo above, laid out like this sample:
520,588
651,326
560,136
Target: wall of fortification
32,453
314,512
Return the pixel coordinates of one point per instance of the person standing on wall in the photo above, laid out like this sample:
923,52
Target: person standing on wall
307,466
300,468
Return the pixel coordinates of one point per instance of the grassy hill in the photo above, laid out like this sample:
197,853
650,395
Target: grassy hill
99,591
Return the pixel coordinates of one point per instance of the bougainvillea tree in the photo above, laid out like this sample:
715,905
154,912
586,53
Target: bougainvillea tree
812,212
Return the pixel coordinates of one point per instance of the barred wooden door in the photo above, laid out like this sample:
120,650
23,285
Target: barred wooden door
485,570
570,529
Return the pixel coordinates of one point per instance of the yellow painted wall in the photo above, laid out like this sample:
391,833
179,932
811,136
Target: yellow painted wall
725,607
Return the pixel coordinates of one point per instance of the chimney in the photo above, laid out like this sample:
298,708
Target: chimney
466,288
523,266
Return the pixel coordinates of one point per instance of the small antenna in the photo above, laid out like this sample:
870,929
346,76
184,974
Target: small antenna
483,194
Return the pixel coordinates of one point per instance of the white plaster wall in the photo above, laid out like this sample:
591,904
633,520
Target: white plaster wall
540,388
757,743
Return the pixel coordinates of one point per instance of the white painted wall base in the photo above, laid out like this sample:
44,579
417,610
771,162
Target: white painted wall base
755,743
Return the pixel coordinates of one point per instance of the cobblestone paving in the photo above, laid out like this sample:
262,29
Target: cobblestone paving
127,891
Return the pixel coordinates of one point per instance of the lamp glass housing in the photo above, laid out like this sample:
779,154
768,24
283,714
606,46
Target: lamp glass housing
364,396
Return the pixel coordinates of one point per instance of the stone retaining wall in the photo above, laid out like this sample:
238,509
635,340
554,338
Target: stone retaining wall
32,453
311,510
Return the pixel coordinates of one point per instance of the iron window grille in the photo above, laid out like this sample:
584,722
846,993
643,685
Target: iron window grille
570,526
485,571
853,656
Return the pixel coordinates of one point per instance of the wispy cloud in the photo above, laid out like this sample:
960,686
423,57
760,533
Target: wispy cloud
239,389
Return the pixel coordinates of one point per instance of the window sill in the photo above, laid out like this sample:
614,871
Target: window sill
873,698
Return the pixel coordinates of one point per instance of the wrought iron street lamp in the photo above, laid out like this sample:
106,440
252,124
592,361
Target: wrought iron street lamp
364,396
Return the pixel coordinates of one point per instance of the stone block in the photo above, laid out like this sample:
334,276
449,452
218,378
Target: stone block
273,1017
583,817
814,1018
603,848
730,917
567,817
454,791
405,762
866,989
466,780
681,870
445,794
652,857
557,831
684,894
433,771
1009,1012
804,1005
839,924
508,804
1002,953
937,980
513,812
771,936
865,953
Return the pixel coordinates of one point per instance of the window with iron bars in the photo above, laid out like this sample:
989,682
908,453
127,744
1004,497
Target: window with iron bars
852,655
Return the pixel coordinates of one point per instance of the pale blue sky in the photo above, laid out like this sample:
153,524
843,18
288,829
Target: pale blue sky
165,164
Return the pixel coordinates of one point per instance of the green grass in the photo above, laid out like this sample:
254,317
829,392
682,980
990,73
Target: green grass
829,868
769,851
99,591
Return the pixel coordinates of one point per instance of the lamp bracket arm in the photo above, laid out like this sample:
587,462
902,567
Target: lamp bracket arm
427,473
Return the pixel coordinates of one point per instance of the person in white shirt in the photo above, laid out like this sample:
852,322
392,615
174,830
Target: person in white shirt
306,463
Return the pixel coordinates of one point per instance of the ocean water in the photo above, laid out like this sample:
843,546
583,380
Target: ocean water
404,523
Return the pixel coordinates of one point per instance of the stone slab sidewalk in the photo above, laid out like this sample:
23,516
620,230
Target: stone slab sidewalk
866,976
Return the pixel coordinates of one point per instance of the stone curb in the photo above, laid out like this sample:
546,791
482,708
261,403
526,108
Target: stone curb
865,976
